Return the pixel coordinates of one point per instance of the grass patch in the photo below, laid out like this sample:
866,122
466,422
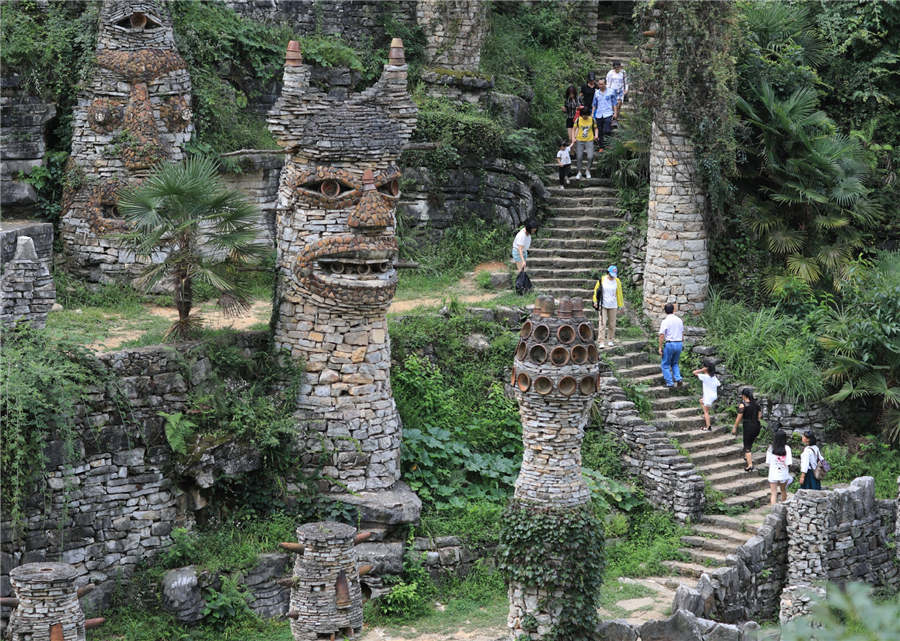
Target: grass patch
92,324
653,537
478,522
614,591
126,623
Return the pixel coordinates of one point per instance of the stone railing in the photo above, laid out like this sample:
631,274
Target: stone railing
669,479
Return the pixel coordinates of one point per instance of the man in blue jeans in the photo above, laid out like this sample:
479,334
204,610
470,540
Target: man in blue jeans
671,341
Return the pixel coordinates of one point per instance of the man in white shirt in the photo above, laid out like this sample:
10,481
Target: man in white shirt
522,242
671,341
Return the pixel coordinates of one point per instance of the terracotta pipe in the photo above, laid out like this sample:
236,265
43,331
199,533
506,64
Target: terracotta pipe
525,332
587,385
342,591
293,57
579,354
523,382
559,356
522,351
543,385
538,353
541,333
296,548
365,569
362,536
9,602
586,332
56,632
565,334
90,624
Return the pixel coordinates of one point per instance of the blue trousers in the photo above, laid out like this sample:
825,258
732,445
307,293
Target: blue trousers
670,356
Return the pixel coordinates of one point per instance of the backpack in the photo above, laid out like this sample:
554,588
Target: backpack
823,467
523,283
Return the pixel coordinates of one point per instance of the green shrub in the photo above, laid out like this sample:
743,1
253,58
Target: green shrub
848,613
227,603
874,458
602,452
478,522
653,537
185,549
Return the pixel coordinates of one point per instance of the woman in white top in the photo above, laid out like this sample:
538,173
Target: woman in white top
522,242
809,460
617,82
778,458
707,376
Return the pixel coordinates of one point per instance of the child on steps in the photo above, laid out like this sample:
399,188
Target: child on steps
563,162
707,376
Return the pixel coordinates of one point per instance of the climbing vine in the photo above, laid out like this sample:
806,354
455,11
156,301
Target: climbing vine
689,69
560,552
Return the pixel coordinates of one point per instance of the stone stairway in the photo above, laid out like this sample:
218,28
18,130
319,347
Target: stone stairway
716,455
612,45
570,246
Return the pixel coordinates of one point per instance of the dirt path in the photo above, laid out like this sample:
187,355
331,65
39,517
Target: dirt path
483,634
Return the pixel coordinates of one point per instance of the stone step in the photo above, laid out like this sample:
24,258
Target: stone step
735,536
728,452
574,201
584,285
585,210
748,501
565,223
731,472
569,242
747,485
685,568
593,192
628,360
661,391
576,274
584,230
679,424
666,402
735,462
712,544
709,558
713,442
693,436
576,184
544,261
640,370
559,292
566,253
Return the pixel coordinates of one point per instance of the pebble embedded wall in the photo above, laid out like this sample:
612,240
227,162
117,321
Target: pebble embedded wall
27,292
135,111
336,248
676,267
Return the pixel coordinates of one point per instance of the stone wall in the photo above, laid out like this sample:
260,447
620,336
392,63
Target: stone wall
22,144
117,503
669,479
27,291
838,536
677,264
498,191
681,626
454,32
357,21
258,179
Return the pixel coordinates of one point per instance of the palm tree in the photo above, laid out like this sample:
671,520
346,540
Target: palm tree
189,226
812,206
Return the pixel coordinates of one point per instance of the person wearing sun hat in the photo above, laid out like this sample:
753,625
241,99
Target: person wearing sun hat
607,300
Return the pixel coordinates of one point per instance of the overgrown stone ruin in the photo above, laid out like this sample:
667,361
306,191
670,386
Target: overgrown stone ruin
555,377
133,113
46,606
336,248
27,291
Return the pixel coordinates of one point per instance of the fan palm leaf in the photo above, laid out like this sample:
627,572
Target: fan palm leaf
806,268
785,241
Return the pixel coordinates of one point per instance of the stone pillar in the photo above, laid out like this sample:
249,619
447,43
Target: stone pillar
134,112
336,248
326,599
810,526
555,376
27,291
676,267
48,608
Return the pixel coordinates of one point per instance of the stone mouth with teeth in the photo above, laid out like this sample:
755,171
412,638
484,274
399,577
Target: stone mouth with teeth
353,267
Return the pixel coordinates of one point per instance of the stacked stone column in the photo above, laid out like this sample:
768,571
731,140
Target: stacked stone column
676,267
48,608
27,291
555,376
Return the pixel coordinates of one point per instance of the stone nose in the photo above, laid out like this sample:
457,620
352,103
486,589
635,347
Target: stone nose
373,212
140,145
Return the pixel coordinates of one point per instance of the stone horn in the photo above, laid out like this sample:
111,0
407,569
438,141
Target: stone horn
362,536
9,602
396,55
90,624
296,548
293,56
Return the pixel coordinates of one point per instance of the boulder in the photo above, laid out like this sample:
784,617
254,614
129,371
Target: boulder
500,280
615,630
208,461
181,594
513,107
395,506
681,626
478,343
269,599
386,557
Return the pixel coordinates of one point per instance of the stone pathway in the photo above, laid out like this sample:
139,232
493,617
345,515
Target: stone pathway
716,455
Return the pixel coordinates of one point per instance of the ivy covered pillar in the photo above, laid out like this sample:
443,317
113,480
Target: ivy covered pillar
687,80
551,544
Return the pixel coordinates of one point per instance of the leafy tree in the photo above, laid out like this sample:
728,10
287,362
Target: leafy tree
812,203
848,614
188,226
862,339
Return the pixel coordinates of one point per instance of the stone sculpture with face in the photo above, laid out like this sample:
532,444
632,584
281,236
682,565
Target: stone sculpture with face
134,113
336,253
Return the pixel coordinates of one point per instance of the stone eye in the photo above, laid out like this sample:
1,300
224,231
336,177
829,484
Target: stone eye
138,21
330,187
391,188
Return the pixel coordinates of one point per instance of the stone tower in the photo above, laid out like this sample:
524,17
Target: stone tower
133,113
555,376
336,248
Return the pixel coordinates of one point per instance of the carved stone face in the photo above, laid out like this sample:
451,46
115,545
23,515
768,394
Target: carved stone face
346,217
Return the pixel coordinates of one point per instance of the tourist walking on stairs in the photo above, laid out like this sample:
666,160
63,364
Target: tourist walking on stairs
809,461
749,412
571,104
564,162
707,376
671,342
585,132
617,82
778,458
607,300
602,110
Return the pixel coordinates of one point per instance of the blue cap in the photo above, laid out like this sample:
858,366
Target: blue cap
613,270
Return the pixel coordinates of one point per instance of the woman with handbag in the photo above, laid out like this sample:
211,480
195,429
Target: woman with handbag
809,461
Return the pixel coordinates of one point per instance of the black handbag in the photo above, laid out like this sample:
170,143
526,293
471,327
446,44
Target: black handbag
523,283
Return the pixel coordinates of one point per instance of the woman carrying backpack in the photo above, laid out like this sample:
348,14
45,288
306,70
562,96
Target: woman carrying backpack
750,412
809,461
778,458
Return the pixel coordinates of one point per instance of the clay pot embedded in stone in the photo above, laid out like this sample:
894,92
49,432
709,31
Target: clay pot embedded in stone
523,382
538,353
546,305
363,269
593,354
337,268
396,54
579,354
138,20
577,308
586,332
541,333
342,591
565,307
567,386
521,350
525,332
543,385
330,188
293,57
565,334
559,356
587,386
513,377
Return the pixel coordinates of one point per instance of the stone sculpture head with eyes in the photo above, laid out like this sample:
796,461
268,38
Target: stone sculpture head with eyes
336,253
133,113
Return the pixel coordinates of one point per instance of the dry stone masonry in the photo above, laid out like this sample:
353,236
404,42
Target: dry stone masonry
336,248
676,266
555,378
48,608
27,291
134,112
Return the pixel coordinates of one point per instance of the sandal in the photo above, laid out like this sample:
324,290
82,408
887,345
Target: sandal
748,469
